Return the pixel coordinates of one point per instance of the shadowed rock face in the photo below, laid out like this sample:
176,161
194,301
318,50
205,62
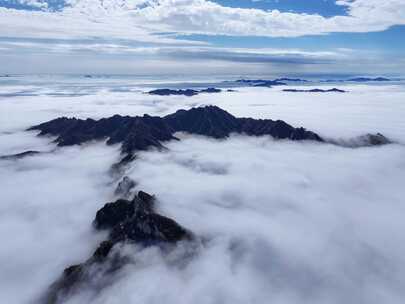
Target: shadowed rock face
217,123
209,121
135,133
133,221
137,221
140,133
278,129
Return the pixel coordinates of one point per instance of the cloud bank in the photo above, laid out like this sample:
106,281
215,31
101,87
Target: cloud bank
261,211
277,224
140,19
284,222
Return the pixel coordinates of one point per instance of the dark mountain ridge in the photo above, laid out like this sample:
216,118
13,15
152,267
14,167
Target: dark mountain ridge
143,132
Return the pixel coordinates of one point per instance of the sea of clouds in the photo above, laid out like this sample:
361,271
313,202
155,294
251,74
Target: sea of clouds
282,222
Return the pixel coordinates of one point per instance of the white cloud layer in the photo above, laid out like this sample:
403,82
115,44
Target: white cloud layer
140,19
285,222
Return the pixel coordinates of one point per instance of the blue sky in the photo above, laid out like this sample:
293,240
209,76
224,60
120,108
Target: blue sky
230,36
325,8
389,41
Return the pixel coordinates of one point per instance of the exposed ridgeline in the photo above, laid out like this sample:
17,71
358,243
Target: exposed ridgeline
140,133
143,132
127,222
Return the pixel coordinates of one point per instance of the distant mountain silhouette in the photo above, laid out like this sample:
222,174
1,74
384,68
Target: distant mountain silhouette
186,92
260,82
335,90
359,79
366,79
291,80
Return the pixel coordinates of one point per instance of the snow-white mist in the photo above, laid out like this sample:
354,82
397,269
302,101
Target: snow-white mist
282,222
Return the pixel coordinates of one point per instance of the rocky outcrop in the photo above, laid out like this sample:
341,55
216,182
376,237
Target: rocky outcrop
334,90
134,221
374,139
209,121
143,132
134,133
217,123
367,140
137,221
276,128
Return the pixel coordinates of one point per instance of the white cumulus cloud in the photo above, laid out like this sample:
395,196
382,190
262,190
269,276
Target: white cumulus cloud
139,19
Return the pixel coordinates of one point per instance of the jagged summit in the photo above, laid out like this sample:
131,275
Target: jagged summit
210,121
135,133
127,222
142,132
